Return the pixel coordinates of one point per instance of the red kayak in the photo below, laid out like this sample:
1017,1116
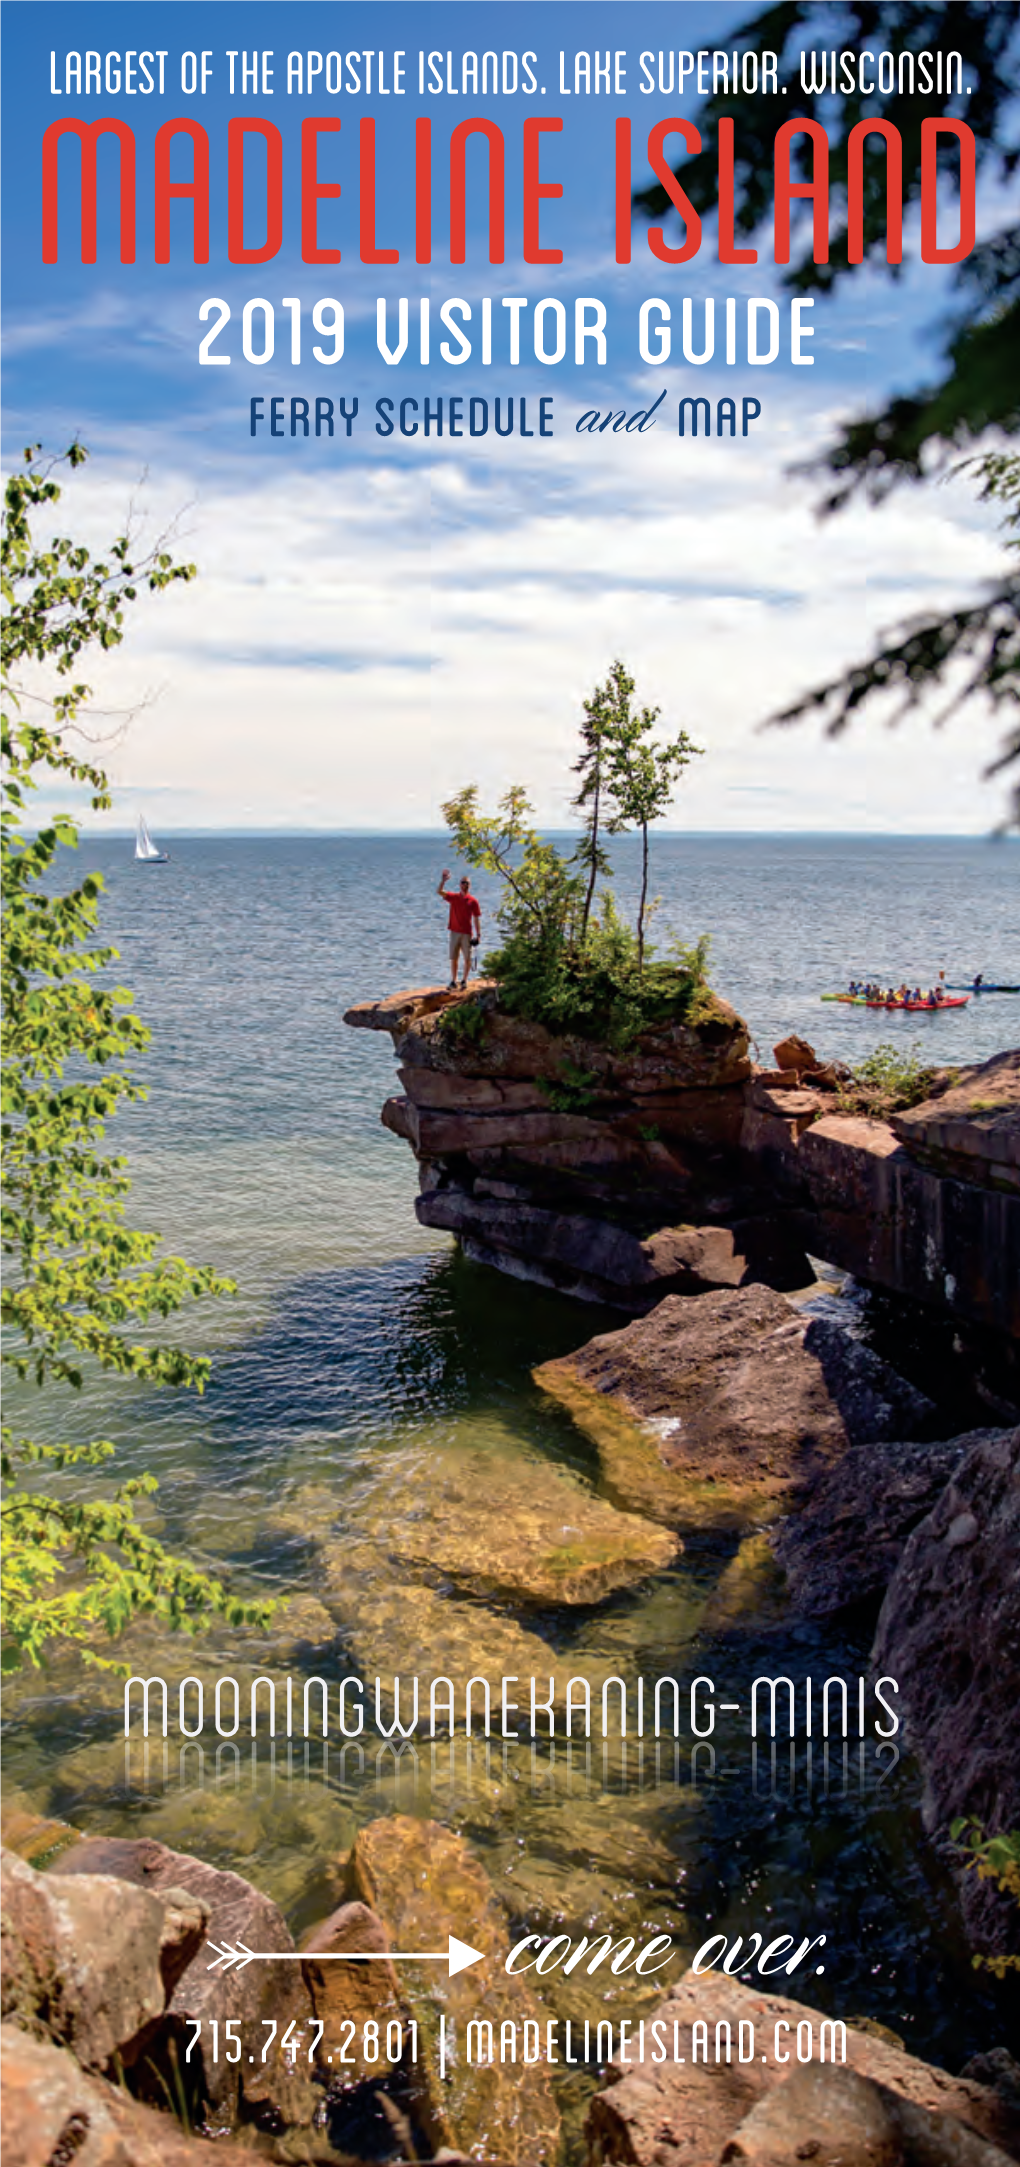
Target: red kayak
927,1008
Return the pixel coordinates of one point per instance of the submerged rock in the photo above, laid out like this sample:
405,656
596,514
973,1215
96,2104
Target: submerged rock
588,1874
731,1402
396,1628
250,2089
425,1884
696,2111
343,1993
33,1835
89,1964
749,1595
949,1633
521,1530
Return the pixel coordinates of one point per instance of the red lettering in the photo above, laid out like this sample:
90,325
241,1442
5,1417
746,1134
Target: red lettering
657,241
816,189
88,134
458,188
423,191
893,190
535,190
312,190
623,191
930,132
368,251
195,191
728,253
236,132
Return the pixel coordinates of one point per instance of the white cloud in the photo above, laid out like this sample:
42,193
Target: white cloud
367,634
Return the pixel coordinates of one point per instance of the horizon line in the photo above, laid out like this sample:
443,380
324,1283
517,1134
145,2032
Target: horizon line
371,830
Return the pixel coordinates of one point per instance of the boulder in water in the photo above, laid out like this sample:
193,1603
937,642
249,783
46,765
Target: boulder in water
840,1549
253,2089
730,1402
424,1883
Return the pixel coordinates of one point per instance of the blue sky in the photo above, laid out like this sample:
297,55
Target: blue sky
378,619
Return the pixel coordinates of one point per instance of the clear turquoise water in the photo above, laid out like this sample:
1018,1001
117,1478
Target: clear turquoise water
360,1346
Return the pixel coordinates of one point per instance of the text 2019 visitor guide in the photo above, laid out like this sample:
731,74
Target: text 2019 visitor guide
511,975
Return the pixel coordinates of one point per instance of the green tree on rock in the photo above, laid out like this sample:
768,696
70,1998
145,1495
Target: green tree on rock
561,962
641,778
602,713
77,1564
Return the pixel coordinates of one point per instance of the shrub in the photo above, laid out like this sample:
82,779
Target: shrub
599,991
992,1858
888,1081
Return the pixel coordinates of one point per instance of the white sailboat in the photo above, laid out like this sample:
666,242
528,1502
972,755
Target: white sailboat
145,849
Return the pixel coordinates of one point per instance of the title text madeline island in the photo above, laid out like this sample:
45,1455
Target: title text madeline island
306,1707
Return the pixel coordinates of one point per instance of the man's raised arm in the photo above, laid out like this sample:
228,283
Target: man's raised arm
443,878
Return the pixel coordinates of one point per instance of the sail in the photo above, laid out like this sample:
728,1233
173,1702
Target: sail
144,846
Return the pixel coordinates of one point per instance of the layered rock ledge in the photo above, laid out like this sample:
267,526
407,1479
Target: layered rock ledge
678,1167
616,1177
926,1203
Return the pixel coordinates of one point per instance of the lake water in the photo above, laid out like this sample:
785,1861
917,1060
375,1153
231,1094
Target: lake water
361,1354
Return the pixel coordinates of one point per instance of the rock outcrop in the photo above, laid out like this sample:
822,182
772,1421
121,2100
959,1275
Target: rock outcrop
926,1203
971,1130
949,1633
698,2113
840,1549
676,1167
837,2118
612,1176
713,1410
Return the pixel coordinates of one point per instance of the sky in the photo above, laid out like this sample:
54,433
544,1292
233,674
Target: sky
380,618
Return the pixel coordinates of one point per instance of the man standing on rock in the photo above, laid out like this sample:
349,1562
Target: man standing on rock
465,921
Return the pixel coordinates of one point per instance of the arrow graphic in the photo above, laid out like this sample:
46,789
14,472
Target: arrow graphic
235,1956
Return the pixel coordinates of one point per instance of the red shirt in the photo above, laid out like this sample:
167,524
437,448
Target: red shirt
463,910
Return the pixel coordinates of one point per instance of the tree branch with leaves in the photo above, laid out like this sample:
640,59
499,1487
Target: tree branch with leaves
80,1281
975,388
